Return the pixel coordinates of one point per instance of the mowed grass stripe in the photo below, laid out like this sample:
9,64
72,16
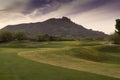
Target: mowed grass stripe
14,67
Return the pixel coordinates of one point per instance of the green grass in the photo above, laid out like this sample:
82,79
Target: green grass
23,67
28,44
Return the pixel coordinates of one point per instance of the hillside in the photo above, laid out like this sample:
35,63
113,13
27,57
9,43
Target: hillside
62,26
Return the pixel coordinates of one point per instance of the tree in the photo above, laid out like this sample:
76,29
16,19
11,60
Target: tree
118,26
6,36
55,38
42,37
20,35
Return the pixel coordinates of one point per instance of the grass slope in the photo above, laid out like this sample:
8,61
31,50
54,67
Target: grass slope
14,67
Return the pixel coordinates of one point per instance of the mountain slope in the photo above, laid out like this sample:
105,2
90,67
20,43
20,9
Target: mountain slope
61,26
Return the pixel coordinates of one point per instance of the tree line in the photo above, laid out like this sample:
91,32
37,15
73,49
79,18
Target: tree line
19,35
7,36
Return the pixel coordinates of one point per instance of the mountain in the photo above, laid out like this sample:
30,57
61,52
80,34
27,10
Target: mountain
57,26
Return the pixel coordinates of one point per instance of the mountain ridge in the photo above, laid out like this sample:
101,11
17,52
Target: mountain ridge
57,26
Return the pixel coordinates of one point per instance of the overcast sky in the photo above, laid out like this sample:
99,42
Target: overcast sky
92,14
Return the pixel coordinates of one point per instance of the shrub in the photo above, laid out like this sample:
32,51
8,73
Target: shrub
55,38
115,38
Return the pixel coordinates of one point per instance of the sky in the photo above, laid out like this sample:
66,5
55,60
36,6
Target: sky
93,14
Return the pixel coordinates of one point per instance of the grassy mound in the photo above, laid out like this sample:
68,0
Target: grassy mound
82,58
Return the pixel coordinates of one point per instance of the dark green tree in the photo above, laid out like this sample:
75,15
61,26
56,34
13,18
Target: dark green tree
118,26
55,38
42,37
6,36
115,37
20,35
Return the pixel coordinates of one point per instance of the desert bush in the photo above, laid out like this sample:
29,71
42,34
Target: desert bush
114,38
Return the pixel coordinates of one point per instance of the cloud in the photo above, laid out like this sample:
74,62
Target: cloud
44,6
95,14
64,9
15,6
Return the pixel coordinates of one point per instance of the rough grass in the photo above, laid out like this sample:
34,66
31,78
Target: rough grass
50,61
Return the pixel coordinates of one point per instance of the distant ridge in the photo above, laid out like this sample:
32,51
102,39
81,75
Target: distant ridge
63,27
